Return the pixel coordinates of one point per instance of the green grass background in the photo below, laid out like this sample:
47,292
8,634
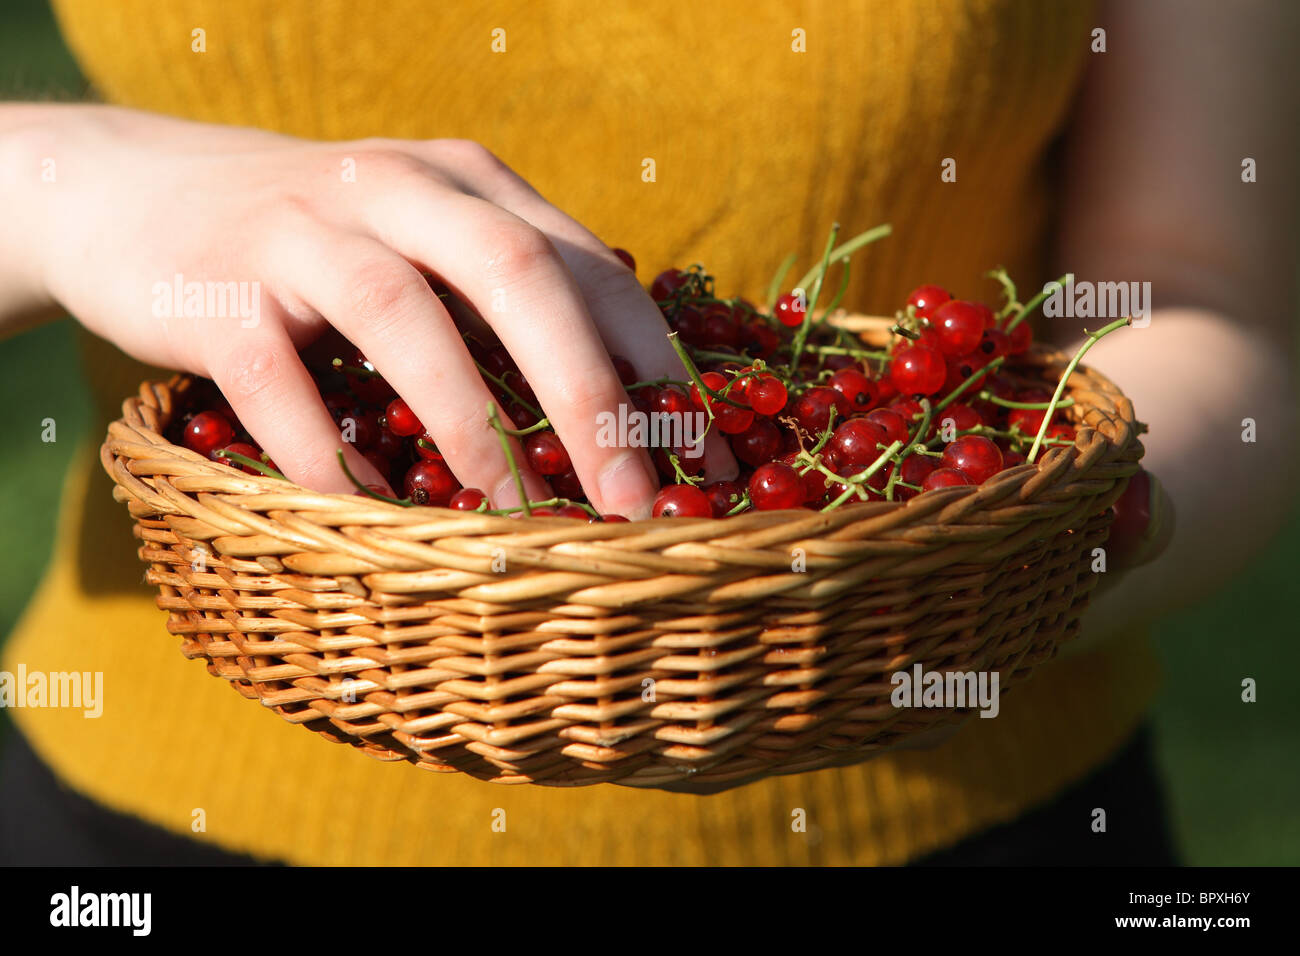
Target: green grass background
1233,770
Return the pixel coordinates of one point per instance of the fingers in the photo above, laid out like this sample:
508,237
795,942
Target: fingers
276,399
385,307
627,319
512,274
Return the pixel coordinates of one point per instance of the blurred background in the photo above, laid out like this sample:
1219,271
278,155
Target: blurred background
1232,770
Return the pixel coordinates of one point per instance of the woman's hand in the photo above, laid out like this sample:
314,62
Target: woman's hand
336,234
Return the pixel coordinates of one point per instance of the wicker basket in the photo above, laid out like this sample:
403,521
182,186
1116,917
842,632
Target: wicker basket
647,654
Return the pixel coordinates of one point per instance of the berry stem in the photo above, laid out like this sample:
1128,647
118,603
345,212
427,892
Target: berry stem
774,287
952,396
245,460
694,373
988,396
849,247
541,425
354,370
509,391
548,503
404,502
844,287
840,350
681,476
855,481
1008,289
1092,339
743,504
495,421
1036,301
817,277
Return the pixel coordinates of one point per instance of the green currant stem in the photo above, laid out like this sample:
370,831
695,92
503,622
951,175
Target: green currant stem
260,466
656,383
1034,406
694,373
509,391
844,287
354,370
741,505
1008,289
905,332
838,350
525,432
548,503
495,421
404,502
952,396
817,277
856,481
1089,342
681,476
913,445
1036,301
774,287
849,247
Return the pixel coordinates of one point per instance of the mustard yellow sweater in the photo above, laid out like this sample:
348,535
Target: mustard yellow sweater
766,122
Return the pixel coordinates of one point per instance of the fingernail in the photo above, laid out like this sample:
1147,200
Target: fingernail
626,487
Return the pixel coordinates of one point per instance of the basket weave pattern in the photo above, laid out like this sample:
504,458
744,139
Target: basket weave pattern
645,653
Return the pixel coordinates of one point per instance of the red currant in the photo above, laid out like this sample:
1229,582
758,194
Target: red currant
812,409
856,442
626,258
758,443
666,283
814,482
671,400
775,487
917,370
945,478
963,418
401,420
566,485
767,395
914,470
467,499
892,421
927,298
245,449
1022,336
975,456
545,453
960,325
790,310
681,501
758,339
859,390
626,373
208,431
430,482
723,496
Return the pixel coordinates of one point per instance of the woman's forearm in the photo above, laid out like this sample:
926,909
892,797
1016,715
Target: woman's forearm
1205,385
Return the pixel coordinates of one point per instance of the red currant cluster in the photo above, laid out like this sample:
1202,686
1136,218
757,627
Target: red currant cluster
817,420
814,418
